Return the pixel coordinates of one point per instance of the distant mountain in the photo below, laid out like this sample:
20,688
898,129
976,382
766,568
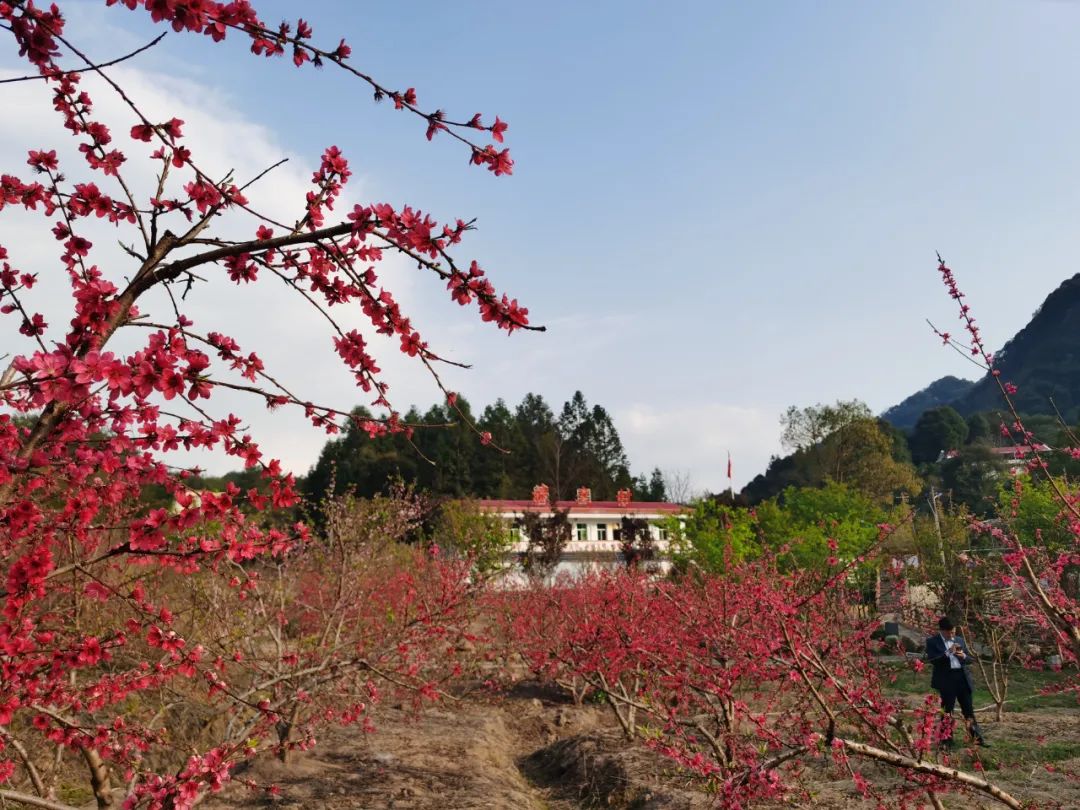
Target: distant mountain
1042,360
940,392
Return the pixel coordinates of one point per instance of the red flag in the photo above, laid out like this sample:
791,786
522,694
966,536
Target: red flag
729,465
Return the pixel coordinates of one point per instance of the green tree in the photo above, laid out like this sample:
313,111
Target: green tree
973,477
713,537
941,540
979,429
799,469
657,488
900,450
843,443
356,464
589,451
804,428
462,527
938,429
442,455
542,440
806,519
449,450
860,454
1035,514
499,474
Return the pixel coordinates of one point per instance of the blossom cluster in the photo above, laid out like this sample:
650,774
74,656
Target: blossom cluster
102,535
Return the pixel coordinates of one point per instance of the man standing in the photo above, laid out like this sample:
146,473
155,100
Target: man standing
951,677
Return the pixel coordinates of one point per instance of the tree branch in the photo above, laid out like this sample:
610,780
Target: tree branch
110,63
33,801
933,769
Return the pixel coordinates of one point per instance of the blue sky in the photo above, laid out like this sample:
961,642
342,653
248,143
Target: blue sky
719,209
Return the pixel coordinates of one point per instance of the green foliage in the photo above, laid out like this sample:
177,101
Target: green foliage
590,451
842,443
938,429
354,463
866,459
461,527
941,539
802,520
445,458
803,428
653,488
1035,515
979,428
714,538
899,449
796,470
806,519
973,478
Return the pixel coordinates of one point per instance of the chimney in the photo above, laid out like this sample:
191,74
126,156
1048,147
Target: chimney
584,496
623,497
540,495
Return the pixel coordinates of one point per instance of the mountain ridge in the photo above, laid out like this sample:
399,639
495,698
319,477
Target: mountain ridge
942,391
1042,360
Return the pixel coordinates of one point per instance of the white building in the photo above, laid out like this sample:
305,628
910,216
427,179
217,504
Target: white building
596,527
1016,457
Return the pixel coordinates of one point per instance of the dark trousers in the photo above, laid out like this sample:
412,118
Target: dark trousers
956,689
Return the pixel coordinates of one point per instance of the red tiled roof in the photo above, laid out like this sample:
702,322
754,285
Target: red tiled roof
575,507
1018,451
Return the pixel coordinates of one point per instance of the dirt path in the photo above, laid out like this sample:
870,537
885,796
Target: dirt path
467,754
531,750
460,759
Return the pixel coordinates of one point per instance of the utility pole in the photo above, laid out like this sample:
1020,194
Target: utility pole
937,526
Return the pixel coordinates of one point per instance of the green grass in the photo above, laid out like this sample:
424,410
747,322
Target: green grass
75,794
1024,754
1025,686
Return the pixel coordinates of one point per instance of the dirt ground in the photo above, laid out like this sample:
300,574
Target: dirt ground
530,749
533,750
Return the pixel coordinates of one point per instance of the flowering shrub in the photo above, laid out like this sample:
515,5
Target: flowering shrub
91,643
740,679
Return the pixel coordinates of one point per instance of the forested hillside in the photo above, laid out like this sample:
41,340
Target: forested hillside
1042,360
940,392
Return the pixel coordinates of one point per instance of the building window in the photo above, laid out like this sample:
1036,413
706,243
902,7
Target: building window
515,532
661,532
582,533
601,532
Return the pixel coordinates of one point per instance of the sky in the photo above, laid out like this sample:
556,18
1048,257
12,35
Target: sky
718,209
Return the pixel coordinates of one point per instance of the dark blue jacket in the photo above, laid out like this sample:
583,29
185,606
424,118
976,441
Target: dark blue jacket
937,657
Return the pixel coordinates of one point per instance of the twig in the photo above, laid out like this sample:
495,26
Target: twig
110,63
34,801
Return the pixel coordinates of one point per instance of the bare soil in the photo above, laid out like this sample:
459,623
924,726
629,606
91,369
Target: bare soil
533,750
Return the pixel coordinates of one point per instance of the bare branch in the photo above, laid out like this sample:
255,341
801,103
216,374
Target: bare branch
98,66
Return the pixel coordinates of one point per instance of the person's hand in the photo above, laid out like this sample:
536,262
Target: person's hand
959,652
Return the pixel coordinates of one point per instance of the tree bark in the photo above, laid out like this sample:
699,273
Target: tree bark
33,801
922,766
